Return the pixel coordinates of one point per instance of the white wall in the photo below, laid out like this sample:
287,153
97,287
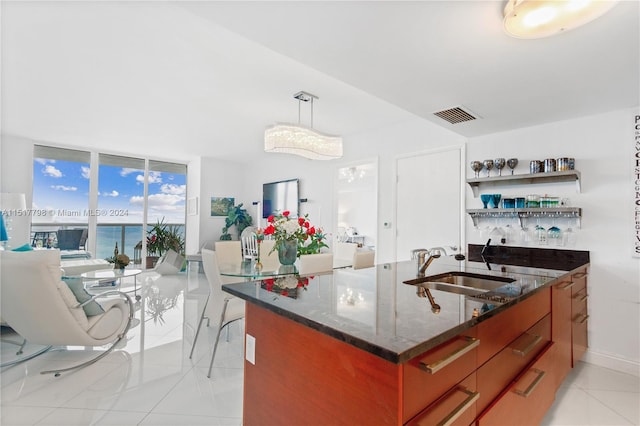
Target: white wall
388,144
603,148
219,179
16,175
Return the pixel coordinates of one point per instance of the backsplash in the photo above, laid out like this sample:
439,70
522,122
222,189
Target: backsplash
529,256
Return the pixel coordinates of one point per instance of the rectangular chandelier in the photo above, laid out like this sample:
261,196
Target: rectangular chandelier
300,140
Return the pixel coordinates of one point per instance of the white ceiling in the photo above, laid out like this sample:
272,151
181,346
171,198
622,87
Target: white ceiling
205,78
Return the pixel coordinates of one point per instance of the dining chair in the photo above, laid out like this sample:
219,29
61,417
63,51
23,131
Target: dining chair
269,258
218,303
45,310
363,259
249,243
343,254
229,253
314,263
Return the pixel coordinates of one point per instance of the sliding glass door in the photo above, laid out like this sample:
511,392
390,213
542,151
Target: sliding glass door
110,199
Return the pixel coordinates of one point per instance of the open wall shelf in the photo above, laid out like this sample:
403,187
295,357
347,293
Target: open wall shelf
522,214
568,176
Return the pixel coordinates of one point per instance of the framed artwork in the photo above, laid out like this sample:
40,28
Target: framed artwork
220,206
192,206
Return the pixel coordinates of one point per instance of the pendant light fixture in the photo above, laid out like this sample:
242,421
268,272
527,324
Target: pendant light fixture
300,140
543,18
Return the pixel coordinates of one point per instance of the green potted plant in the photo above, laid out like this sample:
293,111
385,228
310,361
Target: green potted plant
161,238
237,217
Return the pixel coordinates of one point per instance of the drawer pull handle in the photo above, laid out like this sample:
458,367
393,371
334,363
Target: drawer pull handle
580,275
584,318
568,286
436,366
585,297
525,344
580,296
525,393
464,405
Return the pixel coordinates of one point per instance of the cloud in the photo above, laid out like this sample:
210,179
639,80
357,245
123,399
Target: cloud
126,170
85,171
50,170
154,177
64,188
161,202
113,193
171,188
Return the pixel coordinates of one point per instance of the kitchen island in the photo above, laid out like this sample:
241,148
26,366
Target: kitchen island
363,347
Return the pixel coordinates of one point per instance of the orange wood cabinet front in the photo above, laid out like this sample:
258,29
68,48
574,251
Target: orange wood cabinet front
579,315
527,399
304,377
561,302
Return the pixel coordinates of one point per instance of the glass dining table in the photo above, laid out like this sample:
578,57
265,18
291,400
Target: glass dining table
248,270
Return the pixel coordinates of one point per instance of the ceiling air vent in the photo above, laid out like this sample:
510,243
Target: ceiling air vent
455,115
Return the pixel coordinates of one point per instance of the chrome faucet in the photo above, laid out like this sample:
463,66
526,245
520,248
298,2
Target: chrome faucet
426,256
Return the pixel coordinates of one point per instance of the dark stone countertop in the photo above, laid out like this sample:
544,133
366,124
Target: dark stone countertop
374,310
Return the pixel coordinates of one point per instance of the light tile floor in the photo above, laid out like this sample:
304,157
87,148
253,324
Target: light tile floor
151,381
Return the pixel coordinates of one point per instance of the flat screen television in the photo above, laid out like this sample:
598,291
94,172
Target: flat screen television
280,196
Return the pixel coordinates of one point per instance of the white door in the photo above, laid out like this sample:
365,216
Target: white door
428,201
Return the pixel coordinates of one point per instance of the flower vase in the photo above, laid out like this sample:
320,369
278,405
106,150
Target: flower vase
288,252
258,265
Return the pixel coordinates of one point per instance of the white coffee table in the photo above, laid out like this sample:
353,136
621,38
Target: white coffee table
113,275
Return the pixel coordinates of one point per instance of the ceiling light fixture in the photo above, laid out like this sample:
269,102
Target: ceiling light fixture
301,140
544,18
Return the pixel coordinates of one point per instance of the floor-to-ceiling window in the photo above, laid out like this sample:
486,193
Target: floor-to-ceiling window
60,193
112,203
120,209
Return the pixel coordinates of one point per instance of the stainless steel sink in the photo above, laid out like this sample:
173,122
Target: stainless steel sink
486,287
464,279
451,288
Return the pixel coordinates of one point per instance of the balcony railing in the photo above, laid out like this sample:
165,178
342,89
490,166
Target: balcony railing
128,236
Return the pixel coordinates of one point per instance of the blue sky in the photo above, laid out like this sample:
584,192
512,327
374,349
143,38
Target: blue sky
64,185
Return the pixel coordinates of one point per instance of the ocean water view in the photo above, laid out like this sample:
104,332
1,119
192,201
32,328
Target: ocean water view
108,235
127,236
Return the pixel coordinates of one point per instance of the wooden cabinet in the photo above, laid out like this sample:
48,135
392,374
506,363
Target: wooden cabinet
428,376
497,332
579,315
505,370
561,327
304,377
455,407
528,398
496,374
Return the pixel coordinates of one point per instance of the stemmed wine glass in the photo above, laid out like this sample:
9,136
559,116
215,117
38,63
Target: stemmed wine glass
488,164
499,164
512,163
476,166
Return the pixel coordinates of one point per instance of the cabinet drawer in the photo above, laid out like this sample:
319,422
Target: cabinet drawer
497,332
428,376
579,301
528,398
580,280
495,375
456,407
579,334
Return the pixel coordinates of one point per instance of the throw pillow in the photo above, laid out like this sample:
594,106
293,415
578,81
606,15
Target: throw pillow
77,287
24,247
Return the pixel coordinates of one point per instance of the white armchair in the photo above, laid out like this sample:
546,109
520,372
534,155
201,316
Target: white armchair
40,307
